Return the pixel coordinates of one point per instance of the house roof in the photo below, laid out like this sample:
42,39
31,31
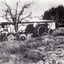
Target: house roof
42,20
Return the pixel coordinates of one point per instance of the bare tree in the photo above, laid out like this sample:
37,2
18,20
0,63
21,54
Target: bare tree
15,16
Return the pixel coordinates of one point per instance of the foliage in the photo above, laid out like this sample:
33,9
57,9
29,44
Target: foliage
58,32
55,14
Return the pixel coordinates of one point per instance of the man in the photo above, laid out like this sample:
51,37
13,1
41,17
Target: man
34,32
35,24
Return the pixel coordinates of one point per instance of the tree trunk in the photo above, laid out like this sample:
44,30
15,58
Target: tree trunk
16,27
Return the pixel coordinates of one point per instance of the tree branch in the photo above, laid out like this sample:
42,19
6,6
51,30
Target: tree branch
16,10
8,10
5,17
26,6
26,16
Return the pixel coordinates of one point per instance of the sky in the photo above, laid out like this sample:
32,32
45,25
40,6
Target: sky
38,8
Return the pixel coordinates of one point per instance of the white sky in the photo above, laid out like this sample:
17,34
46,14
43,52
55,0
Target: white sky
37,9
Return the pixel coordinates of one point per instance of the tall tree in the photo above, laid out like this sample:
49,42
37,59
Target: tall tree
14,15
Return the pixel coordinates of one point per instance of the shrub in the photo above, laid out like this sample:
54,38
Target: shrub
58,32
